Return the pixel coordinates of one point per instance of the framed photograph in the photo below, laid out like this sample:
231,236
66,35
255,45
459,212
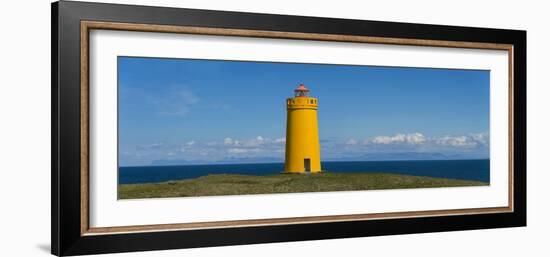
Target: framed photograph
178,128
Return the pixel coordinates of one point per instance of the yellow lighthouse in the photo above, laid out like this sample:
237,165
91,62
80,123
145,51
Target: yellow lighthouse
303,153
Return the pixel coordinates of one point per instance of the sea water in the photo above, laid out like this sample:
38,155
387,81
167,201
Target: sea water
454,169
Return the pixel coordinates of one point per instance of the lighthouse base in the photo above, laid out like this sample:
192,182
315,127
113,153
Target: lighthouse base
301,172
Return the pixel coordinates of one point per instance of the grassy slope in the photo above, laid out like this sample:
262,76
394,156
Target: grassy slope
225,184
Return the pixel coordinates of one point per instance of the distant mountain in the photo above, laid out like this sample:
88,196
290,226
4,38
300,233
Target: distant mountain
251,160
170,162
398,156
224,161
410,156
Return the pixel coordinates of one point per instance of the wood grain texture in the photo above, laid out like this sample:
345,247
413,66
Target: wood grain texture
287,221
288,35
86,26
84,129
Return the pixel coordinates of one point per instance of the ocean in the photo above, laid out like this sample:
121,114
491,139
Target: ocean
456,169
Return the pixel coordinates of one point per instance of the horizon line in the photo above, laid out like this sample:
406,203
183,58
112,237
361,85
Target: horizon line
282,162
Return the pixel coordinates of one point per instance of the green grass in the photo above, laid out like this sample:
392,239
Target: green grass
225,184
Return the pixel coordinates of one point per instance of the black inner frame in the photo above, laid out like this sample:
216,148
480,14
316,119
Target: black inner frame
65,169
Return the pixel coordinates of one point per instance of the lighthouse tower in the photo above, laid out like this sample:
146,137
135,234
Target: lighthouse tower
303,153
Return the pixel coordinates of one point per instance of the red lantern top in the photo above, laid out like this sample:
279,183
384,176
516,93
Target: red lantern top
301,91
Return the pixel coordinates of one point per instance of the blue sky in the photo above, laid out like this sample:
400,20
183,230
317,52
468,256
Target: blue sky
181,109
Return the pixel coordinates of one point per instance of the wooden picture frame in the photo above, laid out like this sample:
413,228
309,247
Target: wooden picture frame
71,25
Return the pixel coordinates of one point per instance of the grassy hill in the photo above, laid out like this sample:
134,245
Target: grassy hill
226,184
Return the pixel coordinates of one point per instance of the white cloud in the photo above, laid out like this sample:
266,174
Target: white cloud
212,143
237,150
455,141
256,146
467,141
416,138
413,138
259,140
151,146
228,141
243,150
482,138
351,142
385,140
261,146
280,140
